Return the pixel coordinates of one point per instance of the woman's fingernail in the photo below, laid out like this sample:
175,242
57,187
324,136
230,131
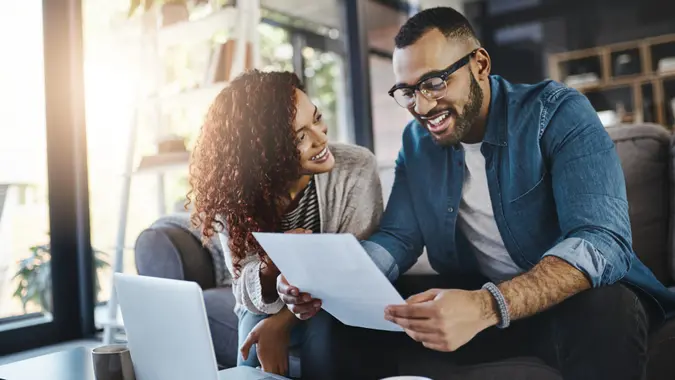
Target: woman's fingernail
317,304
294,292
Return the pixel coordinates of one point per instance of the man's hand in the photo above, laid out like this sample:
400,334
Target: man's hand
445,319
298,231
300,304
272,337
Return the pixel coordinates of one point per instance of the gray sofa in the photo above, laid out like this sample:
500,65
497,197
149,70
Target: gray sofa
647,154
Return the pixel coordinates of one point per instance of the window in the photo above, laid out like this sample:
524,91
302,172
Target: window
323,76
276,51
25,281
40,301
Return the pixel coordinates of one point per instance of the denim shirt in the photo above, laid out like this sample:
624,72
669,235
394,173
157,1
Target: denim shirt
556,185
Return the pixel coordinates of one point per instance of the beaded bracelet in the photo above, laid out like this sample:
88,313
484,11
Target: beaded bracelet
504,317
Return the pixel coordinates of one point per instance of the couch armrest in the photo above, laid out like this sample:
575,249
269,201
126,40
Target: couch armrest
169,251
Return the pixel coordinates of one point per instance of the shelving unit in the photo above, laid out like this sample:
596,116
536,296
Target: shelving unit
637,76
239,20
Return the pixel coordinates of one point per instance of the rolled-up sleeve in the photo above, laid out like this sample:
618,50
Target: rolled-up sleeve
247,287
398,243
590,193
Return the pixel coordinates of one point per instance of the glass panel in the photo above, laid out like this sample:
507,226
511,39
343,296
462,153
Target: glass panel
318,26
276,51
323,73
25,271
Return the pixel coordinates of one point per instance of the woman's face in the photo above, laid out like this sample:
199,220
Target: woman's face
310,133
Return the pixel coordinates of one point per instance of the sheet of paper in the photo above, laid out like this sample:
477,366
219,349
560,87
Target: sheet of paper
337,270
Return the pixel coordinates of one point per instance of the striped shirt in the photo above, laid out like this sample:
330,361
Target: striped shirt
306,214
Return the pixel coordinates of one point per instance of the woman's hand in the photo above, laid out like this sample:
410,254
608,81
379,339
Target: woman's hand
272,337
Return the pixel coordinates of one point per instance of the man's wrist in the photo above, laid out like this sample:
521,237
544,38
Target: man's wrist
489,309
287,317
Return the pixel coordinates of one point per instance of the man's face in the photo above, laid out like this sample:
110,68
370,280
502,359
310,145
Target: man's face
451,117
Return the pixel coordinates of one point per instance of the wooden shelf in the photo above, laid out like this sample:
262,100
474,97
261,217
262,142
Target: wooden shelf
643,50
163,162
196,30
197,95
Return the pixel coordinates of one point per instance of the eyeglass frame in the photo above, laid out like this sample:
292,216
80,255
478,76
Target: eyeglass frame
443,74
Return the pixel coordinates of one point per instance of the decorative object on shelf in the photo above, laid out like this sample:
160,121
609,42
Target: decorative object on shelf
173,11
171,144
582,80
35,276
608,118
625,64
667,65
171,152
221,61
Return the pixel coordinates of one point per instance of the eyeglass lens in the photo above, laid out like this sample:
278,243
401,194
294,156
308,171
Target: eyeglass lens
432,89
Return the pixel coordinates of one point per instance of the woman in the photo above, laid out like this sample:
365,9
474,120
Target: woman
262,163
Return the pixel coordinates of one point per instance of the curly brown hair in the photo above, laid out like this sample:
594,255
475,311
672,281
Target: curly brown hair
245,160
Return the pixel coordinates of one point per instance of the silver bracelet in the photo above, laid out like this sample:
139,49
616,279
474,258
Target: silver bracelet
505,319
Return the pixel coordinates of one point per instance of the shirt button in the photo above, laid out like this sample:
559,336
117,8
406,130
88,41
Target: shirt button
451,209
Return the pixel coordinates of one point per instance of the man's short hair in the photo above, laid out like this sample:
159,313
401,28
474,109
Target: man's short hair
447,20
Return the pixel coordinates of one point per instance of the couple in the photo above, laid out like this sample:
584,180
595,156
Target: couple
515,191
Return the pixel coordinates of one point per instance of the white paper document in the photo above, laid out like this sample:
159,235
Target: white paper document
337,270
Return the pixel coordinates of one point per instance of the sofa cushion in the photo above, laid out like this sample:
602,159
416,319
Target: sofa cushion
173,252
661,365
515,368
644,153
223,323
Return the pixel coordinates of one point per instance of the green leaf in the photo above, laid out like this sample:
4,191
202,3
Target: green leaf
133,6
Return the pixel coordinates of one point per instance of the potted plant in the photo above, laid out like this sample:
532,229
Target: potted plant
35,277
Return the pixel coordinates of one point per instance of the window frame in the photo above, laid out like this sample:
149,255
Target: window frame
71,260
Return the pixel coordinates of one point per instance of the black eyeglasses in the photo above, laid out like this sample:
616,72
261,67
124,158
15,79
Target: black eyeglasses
433,87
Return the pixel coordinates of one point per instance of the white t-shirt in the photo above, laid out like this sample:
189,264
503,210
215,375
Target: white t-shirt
477,221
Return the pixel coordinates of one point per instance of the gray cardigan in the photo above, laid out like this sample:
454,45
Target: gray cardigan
350,201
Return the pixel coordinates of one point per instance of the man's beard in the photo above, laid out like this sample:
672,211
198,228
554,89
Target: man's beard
465,121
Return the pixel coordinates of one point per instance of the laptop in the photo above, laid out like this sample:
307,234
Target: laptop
168,331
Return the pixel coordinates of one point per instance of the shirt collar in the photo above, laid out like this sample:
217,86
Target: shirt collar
496,128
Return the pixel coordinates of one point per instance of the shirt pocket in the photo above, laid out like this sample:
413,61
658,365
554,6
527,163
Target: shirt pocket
534,219
526,180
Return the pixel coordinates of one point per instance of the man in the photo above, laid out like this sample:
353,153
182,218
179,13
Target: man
518,195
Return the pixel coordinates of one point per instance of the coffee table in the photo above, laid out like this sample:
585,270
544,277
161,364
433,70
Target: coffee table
74,364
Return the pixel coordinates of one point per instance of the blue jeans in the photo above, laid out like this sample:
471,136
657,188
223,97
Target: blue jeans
312,338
